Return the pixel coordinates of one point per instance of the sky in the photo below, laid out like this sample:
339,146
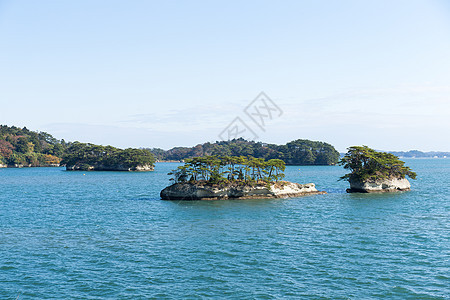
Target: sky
177,73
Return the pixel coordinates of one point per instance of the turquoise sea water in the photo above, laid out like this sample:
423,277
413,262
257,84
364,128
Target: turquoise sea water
106,235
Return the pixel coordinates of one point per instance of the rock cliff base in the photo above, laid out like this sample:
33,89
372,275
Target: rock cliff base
85,167
204,191
379,186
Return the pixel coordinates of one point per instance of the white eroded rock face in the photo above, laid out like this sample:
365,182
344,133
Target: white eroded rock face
202,191
291,189
144,168
387,185
109,168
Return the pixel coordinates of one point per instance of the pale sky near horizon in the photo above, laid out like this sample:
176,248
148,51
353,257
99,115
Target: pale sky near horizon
176,73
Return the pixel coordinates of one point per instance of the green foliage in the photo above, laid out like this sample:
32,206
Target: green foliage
221,169
20,146
106,157
298,152
158,153
17,158
365,164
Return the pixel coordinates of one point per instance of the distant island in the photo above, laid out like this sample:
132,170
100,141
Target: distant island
416,154
20,147
373,171
90,157
298,152
232,177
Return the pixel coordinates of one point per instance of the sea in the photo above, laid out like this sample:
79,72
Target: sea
108,235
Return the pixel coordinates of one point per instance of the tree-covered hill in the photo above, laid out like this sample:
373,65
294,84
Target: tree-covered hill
366,164
420,154
23,147
82,156
298,152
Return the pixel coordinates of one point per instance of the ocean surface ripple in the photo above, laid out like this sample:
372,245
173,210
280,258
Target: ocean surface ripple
107,235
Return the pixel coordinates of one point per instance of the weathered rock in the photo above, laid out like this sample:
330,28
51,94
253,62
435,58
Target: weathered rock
379,186
203,191
84,167
19,166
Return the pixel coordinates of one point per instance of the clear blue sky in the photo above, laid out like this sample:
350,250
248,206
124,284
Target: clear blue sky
168,73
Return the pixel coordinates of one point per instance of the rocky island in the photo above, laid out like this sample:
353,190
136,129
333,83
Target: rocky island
383,185
231,177
205,191
90,157
375,172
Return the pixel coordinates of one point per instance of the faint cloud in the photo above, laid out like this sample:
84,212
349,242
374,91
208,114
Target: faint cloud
183,119
403,117
125,137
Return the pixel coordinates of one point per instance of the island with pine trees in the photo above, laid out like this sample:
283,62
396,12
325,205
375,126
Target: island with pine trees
232,177
373,171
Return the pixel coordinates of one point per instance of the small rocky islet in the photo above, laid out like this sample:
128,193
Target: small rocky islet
375,172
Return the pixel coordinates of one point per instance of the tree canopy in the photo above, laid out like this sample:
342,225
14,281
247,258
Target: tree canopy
20,146
87,155
366,164
221,169
298,152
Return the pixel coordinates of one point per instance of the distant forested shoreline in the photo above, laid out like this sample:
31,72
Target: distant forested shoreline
420,154
298,152
21,147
